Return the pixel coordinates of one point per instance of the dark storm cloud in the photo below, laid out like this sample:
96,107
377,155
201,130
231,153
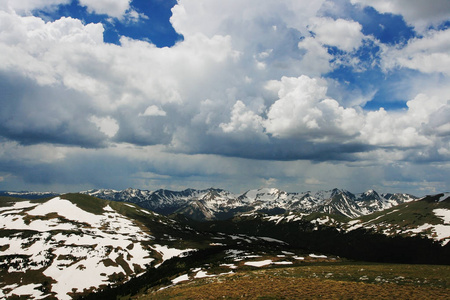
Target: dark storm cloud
33,114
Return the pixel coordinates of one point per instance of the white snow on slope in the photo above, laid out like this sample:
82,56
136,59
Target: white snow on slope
168,253
29,290
180,279
444,214
283,263
18,205
94,248
258,263
440,232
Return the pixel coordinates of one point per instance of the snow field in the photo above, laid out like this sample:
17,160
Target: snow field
260,263
74,260
444,214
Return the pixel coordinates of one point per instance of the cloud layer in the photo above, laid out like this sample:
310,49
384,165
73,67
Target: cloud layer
271,82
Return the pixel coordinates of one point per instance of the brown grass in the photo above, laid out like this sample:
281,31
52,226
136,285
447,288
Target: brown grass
312,283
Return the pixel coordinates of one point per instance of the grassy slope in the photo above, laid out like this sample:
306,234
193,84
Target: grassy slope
330,281
410,214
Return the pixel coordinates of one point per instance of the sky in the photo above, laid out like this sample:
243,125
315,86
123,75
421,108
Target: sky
296,94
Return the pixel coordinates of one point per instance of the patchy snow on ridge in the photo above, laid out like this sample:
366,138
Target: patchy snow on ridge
77,249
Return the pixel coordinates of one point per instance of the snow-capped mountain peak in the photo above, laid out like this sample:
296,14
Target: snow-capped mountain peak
215,203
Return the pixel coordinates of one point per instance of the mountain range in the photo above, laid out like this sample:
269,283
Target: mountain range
218,204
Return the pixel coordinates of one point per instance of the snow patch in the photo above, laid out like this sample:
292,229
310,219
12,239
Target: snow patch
444,214
180,279
258,263
108,208
203,274
269,239
28,290
283,263
168,253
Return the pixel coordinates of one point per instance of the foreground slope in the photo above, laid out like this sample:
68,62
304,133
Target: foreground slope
74,244
317,281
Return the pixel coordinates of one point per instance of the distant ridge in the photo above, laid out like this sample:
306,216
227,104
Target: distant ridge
28,195
216,204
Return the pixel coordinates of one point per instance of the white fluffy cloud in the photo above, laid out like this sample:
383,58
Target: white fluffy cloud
107,125
428,54
344,34
113,8
153,110
316,60
266,36
230,17
304,111
244,121
119,9
26,6
35,48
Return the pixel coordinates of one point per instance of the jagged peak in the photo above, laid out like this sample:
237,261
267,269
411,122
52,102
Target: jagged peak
369,195
269,190
370,192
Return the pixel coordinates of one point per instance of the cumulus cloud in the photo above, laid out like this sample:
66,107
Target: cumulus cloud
113,8
421,126
316,60
26,6
244,121
227,18
344,34
153,110
304,111
107,125
119,9
428,54
36,49
274,30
